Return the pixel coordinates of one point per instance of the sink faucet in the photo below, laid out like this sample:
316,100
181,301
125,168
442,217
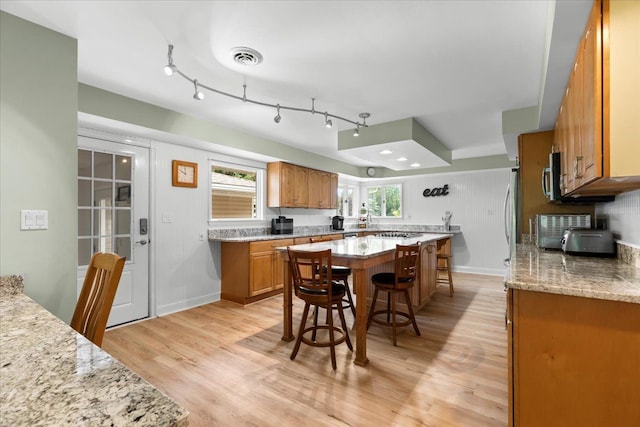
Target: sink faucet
368,219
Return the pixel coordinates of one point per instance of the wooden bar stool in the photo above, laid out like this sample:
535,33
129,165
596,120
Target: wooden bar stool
312,283
443,266
400,281
340,273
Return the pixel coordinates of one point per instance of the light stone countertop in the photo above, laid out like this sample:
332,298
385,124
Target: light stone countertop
365,247
555,272
259,234
52,376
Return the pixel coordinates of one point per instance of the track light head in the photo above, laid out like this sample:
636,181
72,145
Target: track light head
277,118
170,69
327,121
198,95
356,131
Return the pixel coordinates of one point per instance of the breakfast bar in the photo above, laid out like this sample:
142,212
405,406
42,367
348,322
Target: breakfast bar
359,254
50,375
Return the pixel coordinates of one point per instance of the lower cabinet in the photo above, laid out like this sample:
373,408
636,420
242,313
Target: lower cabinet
426,277
573,361
252,270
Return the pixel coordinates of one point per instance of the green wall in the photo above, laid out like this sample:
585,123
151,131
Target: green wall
38,139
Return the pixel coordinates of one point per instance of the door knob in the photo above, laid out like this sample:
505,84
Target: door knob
142,242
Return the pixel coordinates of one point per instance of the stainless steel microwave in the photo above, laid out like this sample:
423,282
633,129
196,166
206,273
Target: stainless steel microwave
551,177
552,183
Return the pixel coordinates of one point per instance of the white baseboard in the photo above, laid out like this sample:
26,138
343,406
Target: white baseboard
187,304
479,270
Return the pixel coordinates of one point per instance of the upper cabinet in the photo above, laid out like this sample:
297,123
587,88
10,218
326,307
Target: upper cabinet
597,129
292,186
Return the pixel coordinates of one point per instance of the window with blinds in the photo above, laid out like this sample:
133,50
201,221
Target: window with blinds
234,192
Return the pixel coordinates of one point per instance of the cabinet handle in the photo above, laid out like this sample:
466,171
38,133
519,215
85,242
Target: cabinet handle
578,159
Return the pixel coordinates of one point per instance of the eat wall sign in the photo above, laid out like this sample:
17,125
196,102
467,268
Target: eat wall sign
437,191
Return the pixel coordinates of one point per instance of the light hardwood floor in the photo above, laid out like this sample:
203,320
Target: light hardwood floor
227,365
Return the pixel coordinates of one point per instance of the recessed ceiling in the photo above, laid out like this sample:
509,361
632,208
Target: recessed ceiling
453,66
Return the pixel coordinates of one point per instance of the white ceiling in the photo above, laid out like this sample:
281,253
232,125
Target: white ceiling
454,66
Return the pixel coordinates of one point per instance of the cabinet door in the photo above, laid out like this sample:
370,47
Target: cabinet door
287,190
261,273
334,191
300,187
591,149
325,190
315,198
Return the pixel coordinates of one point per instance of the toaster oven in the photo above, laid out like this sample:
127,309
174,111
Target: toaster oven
550,228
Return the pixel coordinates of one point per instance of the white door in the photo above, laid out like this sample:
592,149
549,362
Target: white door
113,212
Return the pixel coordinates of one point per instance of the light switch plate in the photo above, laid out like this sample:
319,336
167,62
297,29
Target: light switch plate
34,219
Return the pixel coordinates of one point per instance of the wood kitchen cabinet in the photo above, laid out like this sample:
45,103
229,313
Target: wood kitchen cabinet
425,285
287,185
293,186
320,189
252,270
533,150
573,361
597,127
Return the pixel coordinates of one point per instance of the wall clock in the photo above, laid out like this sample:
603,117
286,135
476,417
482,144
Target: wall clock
371,171
184,174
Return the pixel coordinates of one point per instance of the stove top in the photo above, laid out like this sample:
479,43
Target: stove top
402,234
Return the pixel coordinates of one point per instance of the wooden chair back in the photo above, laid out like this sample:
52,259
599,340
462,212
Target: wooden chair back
406,260
97,294
308,275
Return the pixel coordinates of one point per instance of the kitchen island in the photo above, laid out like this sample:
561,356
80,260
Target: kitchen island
360,254
573,325
252,268
52,376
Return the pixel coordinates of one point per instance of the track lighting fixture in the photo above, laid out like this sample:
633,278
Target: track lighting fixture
171,69
327,122
198,93
277,118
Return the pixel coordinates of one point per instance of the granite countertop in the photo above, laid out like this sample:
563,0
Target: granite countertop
258,234
369,246
51,375
534,269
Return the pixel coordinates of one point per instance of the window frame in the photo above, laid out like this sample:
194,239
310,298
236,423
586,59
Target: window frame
344,199
383,209
260,172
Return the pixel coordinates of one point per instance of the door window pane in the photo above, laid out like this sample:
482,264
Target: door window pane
84,251
123,247
102,193
123,167
123,221
84,163
102,225
103,165
84,222
84,192
123,195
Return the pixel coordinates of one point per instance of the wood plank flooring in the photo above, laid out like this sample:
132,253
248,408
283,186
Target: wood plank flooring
226,364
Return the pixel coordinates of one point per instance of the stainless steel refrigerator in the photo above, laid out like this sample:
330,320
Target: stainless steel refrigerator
511,210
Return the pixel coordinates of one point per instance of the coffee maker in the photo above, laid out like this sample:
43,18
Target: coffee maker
337,222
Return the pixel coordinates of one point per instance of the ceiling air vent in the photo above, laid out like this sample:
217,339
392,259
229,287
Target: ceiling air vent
246,56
